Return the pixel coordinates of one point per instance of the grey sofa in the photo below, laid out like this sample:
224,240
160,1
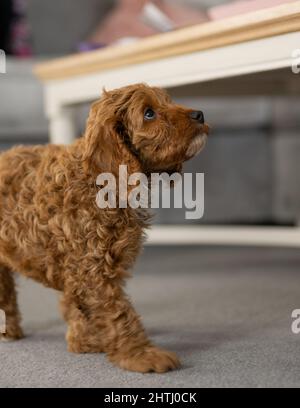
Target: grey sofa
251,162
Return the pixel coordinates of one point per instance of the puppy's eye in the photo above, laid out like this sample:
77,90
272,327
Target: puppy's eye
149,114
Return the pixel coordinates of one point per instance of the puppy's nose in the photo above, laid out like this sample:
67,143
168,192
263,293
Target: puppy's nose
198,116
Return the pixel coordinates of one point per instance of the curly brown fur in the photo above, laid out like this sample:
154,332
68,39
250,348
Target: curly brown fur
52,231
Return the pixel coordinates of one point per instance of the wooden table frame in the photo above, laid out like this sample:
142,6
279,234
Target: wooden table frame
255,43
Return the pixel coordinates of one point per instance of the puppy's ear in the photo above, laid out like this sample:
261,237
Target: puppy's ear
104,149
100,140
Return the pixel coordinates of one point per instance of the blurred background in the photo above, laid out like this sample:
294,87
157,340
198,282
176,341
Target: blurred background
226,311
251,162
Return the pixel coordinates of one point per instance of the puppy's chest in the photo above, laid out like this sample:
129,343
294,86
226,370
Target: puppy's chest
122,223
103,227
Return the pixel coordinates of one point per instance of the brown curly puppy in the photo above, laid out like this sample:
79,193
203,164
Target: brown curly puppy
52,231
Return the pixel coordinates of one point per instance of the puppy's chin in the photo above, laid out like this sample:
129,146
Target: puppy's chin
196,146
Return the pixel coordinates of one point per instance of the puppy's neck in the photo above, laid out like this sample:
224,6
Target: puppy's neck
105,162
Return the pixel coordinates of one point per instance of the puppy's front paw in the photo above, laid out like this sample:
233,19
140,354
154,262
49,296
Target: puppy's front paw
147,359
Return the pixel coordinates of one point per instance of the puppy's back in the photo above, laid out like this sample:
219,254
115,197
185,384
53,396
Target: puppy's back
19,168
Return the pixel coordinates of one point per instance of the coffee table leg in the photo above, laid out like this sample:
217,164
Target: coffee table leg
62,129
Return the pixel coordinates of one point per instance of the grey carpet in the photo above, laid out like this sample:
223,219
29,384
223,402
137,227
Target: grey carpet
226,312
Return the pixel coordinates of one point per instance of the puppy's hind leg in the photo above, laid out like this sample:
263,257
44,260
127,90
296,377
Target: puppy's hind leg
9,307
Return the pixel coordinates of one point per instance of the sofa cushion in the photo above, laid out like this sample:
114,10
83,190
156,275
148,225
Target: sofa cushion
21,102
286,192
237,165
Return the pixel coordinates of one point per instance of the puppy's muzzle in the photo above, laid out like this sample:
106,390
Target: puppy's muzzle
199,140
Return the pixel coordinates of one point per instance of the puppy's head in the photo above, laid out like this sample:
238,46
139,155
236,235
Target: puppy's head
141,124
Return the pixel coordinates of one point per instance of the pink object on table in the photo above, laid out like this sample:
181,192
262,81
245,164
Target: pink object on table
133,19
242,6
